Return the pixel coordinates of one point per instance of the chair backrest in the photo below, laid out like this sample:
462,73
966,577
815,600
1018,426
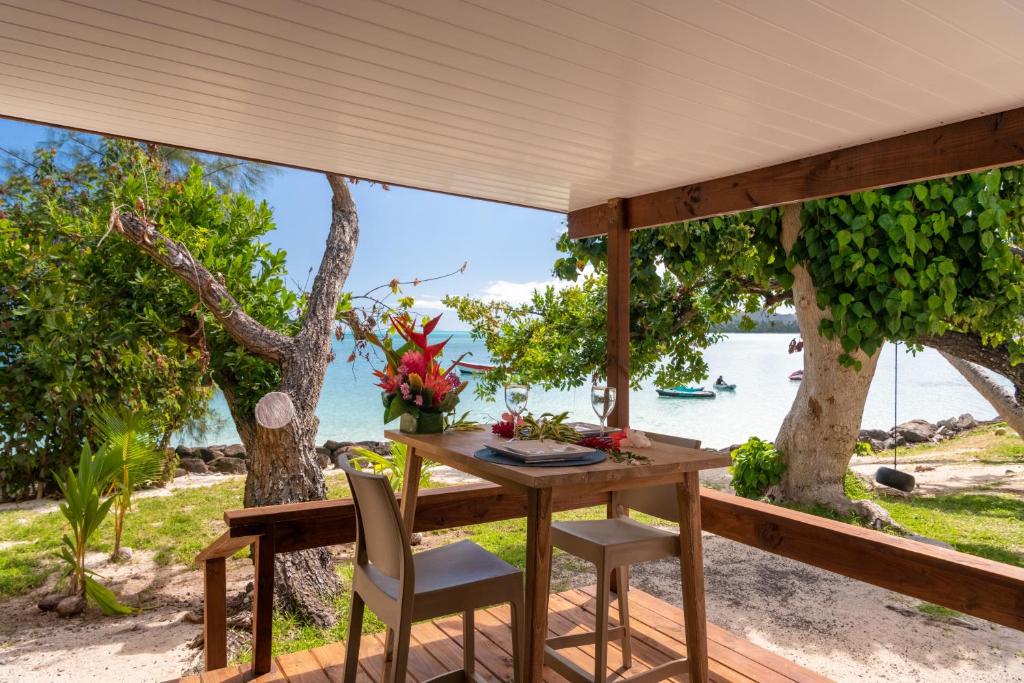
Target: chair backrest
656,501
381,538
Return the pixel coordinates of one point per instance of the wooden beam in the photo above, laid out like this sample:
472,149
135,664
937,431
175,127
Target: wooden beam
618,310
969,584
298,526
973,145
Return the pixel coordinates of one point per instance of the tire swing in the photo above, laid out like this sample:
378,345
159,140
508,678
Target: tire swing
891,476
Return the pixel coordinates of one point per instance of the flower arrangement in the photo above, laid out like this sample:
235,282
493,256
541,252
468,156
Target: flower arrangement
414,386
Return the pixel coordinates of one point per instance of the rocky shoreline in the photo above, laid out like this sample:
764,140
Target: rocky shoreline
232,458
919,432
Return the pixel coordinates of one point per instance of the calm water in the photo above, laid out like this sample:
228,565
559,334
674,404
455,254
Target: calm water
350,407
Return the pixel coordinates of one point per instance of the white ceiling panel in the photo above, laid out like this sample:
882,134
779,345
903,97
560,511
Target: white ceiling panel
557,104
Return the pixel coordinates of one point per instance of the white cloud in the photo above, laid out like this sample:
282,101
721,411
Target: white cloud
429,303
517,293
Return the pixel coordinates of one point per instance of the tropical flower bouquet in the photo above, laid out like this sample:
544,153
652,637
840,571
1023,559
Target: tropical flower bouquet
415,388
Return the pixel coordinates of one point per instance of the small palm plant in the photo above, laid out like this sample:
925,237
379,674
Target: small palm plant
132,438
84,511
394,467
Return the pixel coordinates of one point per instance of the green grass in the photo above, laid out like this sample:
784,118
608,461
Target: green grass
175,528
983,524
936,611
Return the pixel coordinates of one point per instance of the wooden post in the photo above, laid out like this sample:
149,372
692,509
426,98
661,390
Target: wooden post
215,624
263,604
618,311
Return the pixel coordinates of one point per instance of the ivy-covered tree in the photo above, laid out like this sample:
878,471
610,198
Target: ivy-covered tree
934,263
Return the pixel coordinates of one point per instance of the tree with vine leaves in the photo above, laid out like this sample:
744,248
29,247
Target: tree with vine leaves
935,263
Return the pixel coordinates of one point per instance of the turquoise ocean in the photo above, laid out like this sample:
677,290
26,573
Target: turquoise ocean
350,407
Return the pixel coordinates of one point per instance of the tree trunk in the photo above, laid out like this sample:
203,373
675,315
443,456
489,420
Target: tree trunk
1001,399
818,435
281,472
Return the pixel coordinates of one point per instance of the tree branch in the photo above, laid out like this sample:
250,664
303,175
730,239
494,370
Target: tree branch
970,347
335,264
257,339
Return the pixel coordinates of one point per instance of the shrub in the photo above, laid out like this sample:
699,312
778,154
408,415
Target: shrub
394,467
863,448
756,465
84,509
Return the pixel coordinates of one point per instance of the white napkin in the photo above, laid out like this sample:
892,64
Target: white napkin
635,439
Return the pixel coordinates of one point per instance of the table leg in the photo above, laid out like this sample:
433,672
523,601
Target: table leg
538,580
263,604
407,506
692,564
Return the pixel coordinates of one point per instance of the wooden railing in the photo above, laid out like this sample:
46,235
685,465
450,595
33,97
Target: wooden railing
972,585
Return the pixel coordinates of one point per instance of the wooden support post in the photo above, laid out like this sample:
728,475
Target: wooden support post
618,311
263,604
215,615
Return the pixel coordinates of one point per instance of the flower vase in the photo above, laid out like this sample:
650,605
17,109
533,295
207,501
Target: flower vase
425,423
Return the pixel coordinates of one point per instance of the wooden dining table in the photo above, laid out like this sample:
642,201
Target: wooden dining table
664,463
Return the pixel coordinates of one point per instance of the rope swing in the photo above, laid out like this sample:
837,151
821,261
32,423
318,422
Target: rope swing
891,476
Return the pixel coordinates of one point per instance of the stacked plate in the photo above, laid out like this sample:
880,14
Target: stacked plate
540,451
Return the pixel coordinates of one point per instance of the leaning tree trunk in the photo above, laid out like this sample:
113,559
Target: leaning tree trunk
997,395
818,435
280,436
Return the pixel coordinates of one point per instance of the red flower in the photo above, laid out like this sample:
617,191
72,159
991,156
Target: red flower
504,429
607,444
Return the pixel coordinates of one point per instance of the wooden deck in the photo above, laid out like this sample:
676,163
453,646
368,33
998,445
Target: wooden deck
437,647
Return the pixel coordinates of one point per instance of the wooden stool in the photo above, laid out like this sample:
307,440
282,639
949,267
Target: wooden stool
614,544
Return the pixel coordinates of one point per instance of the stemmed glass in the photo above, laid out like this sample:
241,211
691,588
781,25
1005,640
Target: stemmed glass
602,398
516,396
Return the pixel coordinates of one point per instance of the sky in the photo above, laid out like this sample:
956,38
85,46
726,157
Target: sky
404,233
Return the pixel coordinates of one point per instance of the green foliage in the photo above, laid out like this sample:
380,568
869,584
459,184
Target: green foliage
394,467
687,280
88,320
548,426
756,465
918,260
863,449
892,264
140,459
84,511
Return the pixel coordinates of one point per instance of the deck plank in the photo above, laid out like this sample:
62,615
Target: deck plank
720,668
666,618
658,636
302,667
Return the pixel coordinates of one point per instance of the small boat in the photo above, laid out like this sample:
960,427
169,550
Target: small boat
473,368
686,392
796,376
724,387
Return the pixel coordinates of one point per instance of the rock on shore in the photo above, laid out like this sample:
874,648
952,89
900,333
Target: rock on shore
232,458
917,431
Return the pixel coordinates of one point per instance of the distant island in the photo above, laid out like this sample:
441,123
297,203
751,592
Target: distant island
763,322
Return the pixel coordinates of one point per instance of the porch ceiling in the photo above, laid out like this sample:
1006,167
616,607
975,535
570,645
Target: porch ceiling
557,105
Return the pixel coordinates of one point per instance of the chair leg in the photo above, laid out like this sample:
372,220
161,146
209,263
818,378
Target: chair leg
627,632
468,654
518,609
355,631
389,654
400,657
601,635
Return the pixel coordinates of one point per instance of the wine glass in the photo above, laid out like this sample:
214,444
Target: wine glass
602,398
516,396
